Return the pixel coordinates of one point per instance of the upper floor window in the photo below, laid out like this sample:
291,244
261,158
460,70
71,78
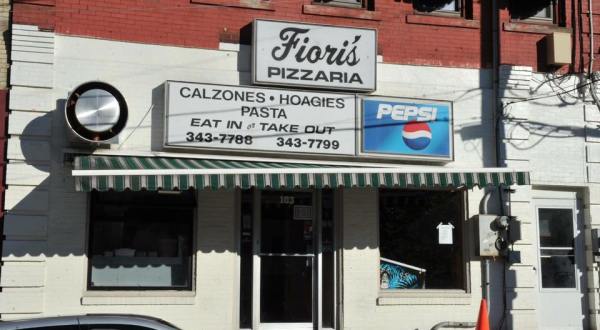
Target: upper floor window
452,7
542,11
347,3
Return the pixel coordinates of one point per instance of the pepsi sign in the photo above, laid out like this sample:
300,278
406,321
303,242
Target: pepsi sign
407,128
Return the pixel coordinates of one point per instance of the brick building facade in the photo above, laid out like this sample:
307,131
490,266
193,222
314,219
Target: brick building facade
512,112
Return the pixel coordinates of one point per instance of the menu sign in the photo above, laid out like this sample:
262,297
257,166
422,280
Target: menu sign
259,119
317,56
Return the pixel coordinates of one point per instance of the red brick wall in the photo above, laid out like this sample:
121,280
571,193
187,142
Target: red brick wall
403,37
584,47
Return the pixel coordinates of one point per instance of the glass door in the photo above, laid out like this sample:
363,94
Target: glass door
562,279
286,260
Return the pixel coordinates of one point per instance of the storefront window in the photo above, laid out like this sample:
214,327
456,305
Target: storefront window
141,240
421,240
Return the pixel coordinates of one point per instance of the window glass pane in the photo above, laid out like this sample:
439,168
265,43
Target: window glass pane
352,3
328,238
556,227
544,13
436,5
246,259
451,6
558,272
287,223
141,239
411,253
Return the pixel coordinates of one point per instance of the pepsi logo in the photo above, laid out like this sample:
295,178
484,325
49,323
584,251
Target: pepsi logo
416,135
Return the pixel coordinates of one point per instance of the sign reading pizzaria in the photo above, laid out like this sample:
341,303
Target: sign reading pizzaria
318,56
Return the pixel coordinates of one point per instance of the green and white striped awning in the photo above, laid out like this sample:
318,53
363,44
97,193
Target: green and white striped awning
161,173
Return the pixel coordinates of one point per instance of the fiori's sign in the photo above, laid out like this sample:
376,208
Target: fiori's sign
314,56
259,119
407,128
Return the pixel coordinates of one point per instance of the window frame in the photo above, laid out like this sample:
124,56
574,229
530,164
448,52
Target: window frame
362,4
559,205
556,16
190,288
465,10
466,256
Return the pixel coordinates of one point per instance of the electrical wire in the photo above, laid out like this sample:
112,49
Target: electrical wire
592,81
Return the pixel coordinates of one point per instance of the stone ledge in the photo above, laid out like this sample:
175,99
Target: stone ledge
138,298
357,13
245,4
424,297
533,28
449,21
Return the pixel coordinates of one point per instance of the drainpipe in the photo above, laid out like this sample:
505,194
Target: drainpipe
497,111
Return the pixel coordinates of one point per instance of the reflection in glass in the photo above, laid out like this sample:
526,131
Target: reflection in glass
286,289
141,240
556,227
556,248
558,272
411,256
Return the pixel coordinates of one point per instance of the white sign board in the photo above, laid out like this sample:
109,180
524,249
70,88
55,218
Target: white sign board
445,233
312,55
259,119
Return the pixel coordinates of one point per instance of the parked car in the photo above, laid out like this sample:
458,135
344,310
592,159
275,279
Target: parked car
90,322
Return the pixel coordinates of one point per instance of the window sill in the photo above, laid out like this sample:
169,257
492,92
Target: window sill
439,20
530,27
333,11
138,298
246,4
424,297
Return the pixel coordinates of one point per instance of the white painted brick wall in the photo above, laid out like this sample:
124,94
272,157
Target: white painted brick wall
22,274
26,199
25,226
21,300
27,173
31,99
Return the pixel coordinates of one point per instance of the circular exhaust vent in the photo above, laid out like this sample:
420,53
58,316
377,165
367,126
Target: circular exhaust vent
96,111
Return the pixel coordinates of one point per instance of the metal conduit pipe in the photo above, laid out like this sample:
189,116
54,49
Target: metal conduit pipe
465,325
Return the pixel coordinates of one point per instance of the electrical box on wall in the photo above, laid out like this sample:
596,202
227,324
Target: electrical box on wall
488,235
559,48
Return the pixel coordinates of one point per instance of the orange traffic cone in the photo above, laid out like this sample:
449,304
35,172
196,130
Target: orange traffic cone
483,321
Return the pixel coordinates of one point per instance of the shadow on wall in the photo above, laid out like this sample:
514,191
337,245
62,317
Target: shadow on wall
157,118
54,220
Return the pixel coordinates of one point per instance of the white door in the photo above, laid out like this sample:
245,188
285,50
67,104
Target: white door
561,264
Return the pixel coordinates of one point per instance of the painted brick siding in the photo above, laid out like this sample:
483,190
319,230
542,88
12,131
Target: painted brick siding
403,36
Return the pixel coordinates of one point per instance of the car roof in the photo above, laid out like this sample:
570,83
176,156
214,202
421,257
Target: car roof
122,319
130,319
38,322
